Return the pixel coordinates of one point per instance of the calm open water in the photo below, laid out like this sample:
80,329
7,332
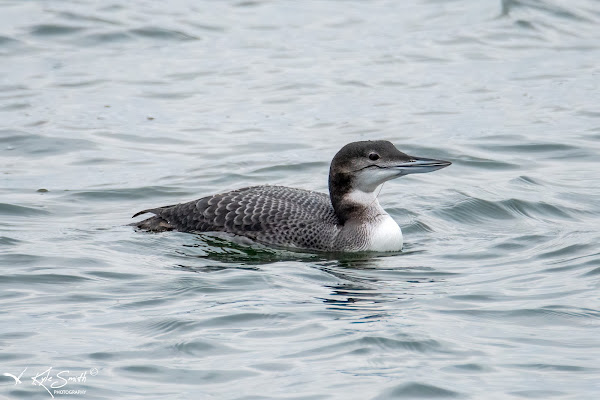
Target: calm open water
107,108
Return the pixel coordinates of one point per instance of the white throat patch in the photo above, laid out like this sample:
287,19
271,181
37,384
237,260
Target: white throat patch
366,199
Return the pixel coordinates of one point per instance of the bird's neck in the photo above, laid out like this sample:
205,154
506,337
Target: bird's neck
350,203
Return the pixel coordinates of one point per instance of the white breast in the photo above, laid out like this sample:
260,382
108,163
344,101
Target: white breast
386,235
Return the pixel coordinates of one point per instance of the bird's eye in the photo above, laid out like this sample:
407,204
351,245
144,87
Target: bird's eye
373,156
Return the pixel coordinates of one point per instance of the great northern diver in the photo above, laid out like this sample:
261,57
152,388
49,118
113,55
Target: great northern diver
349,219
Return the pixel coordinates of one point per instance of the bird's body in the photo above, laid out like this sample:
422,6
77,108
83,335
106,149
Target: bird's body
280,216
349,219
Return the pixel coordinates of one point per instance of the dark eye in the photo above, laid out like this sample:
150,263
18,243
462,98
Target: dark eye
373,156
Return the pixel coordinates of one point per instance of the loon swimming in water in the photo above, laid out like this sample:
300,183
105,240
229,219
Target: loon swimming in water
349,219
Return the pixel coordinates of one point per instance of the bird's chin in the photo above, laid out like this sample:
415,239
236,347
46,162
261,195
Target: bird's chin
370,179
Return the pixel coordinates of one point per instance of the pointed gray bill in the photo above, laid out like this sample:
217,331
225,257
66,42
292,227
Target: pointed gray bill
419,165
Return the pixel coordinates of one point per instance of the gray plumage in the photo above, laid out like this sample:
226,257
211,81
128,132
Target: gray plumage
274,215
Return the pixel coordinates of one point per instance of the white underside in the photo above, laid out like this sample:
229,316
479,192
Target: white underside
386,235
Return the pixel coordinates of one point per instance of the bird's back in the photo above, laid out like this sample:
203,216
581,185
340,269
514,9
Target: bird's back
274,215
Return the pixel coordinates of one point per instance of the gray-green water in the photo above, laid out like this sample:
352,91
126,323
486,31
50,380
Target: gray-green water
113,107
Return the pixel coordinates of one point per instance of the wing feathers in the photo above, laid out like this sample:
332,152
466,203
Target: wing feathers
272,214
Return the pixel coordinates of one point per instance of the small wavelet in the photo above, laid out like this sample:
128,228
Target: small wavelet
45,279
15,107
549,7
6,42
544,316
469,368
553,367
484,163
565,150
20,143
367,345
185,376
6,240
153,32
54,30
202,348
106,38
75,16
80,83
537,394
144,193
291,167
22,211
474,210
415,390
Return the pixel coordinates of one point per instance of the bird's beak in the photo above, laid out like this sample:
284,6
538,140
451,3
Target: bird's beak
420,165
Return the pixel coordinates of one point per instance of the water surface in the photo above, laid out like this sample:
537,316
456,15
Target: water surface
108,108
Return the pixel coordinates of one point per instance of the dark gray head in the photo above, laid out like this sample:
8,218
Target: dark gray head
359,168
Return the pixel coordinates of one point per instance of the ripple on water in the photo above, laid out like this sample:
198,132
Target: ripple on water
484,163
543,316
553,150
299,330
20,143
187,376
203,348
161,326
79,83
565,250
106,38
537,394
145,192
416,390
593,272
112,275
553,9
15,107
552,367
195,348
369,344
6,356
152,328
475,210
289,168
85,18
414,226
21,211
8,42
44,279
536,209
153,32
44,30
470,368
520,242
